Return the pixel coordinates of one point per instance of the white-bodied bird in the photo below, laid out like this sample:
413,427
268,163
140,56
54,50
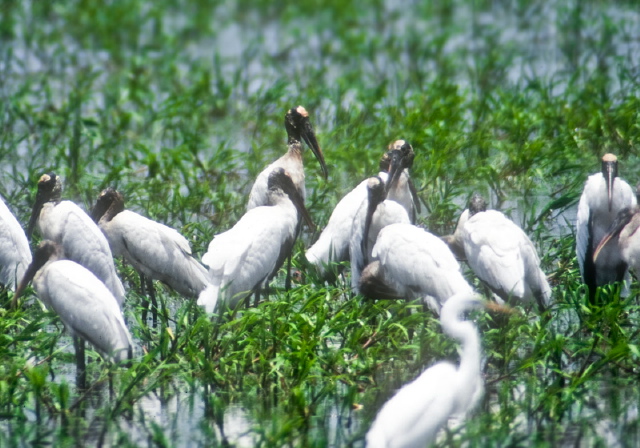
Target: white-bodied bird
68,225
245,257
156,251
15,255
411,263
623,235
86,307
333,244
298,127
374,214
413,416
501,254
604,195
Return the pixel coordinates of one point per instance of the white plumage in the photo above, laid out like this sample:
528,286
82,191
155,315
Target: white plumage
15,255
298,127
604,195
373,215
157,251
412,263
413,416
81,239
502,255
249,254
333,244
85,305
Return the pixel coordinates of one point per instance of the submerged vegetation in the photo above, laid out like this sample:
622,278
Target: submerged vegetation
179,105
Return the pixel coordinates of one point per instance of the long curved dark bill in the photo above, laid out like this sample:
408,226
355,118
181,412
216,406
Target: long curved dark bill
36,264
622,219
309,136
376,195
396,167
610,173
294,195
35,214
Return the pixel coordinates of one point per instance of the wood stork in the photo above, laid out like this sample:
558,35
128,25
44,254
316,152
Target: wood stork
68,225
604,195
623,235
333,244
86,307
412,263
413,416
373,215
298,127
15,255
501,254
245,257
400,188
153,249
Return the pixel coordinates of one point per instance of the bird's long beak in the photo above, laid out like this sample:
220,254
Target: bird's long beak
99,210
414,196
622,219
396,167
298,202
610,172
36,264
35,213
309,136
374,200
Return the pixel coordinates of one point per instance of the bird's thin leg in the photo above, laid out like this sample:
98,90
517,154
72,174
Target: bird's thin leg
145,300
81,368
287,281
154,302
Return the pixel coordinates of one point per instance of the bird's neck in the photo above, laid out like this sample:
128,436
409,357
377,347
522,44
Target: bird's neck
470,342
295,147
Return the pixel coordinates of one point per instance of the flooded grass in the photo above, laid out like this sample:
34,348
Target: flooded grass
179,104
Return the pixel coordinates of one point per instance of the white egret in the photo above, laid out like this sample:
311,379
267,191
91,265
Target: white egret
623,235
333,244
153,249
373,215
413,416
298,127
501,254
15,255
604,195
411,263
68,225
245,257
86,307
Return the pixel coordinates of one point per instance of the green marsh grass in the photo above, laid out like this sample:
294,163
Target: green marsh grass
179,104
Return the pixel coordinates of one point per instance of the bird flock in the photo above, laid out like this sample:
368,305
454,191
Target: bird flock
373,228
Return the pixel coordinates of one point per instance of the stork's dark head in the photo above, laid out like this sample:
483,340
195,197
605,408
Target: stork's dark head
109,204
477,204
47,250
280,180
49,190
406,149
299,128
610,172
377,193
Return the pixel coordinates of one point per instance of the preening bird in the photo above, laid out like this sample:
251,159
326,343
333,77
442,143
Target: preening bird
86,307
624,237
15,255
400,188
373,215
411,263
604,195
501,254
298,127
333,244
153,249
245,257
68,225
413,416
